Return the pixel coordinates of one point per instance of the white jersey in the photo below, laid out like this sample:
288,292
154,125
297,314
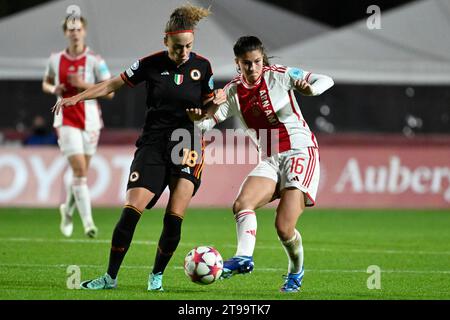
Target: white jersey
86,115
270,104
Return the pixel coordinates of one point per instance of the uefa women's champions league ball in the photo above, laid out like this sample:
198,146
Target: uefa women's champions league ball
203,265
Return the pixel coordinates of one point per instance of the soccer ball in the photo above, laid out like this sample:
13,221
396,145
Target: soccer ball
203,265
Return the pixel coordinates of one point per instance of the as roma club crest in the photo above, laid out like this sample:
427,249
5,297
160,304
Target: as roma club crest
178,79
195,74
134,176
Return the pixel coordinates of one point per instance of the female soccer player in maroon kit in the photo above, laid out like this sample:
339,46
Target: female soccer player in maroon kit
176,79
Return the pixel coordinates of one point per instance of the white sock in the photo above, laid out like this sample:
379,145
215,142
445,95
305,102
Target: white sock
294,251
70,199
246,232
83,200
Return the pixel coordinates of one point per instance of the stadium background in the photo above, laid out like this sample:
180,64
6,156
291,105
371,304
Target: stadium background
390,98
383,131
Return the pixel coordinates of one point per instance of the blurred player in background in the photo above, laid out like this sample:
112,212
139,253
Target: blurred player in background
262,97
68,73
176,79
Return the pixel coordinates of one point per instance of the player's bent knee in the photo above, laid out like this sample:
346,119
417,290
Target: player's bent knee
79,173
138,204
284,234
284,231
177,209
240,204
236,207
79,170
139,199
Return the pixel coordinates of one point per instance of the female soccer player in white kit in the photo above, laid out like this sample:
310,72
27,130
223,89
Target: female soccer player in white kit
69,72
262,97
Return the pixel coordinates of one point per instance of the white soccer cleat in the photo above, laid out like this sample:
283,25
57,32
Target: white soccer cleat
66,225
91,231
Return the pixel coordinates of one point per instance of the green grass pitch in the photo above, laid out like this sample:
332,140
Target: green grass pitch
411,248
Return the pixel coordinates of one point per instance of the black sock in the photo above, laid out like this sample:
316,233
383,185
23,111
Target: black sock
121,239
168,242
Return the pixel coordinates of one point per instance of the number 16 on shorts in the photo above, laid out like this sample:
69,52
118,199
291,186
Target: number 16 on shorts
302,170
296,165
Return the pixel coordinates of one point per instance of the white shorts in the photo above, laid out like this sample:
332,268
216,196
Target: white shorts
294,168
73,141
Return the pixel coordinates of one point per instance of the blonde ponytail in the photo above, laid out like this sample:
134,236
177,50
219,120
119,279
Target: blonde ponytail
185,18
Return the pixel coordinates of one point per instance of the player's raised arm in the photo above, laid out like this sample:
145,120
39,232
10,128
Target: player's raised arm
98,90
313,84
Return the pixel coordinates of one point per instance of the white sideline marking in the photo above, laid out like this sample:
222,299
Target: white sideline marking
182,244
25,265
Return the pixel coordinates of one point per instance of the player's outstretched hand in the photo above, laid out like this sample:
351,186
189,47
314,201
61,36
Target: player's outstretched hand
195,114
303,87
219,97
63,103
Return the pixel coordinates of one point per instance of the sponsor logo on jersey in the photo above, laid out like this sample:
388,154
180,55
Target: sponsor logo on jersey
134,176
165,73
178,78
195,74
268,108
135,66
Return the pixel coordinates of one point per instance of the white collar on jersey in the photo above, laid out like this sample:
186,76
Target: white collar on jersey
248,85
68,56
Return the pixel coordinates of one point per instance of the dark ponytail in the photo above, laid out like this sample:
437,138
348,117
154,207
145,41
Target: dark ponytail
250,43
